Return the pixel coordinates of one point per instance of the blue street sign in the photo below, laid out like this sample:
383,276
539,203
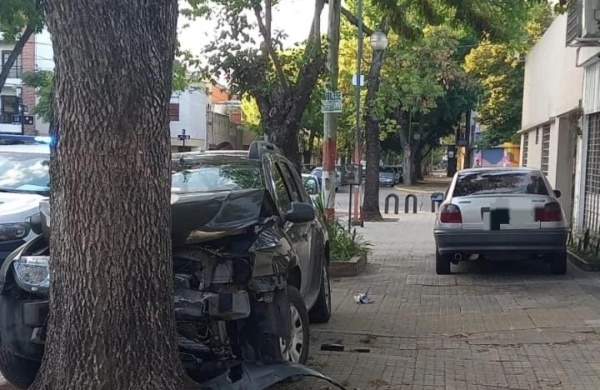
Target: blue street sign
183,137
16,119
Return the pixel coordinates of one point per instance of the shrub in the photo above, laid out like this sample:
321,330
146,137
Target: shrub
343,245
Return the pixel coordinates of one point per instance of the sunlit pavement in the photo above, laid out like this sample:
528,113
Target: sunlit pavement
488,326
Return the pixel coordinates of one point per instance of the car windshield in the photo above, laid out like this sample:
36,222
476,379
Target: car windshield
500,182
24,172
202,177
386,170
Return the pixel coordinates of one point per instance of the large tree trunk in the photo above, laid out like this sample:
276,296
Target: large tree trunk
111,323
371,201
12,58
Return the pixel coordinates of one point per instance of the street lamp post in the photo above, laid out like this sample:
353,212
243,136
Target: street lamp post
379,42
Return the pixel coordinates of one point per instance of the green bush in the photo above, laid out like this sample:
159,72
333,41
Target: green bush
343,245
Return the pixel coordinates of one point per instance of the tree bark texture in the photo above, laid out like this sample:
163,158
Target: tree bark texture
371,210
111,323
12,58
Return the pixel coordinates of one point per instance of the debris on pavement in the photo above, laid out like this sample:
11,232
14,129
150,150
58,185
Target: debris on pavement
362,298
332,347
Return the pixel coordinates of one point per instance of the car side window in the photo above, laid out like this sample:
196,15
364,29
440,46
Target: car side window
295,182
283,195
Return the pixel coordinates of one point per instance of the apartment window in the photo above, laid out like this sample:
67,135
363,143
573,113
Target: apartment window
545,148
591,205
17,68
537,135
174,112
525,149
9,106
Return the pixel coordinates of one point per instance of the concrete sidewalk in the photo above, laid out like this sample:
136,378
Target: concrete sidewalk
436,182
488,326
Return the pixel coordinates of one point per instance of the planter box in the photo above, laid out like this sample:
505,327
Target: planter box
582,264
352,267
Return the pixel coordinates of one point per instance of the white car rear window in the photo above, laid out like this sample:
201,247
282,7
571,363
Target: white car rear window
499,182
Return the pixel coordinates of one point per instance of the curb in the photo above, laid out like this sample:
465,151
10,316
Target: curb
580,263
348,268
413,191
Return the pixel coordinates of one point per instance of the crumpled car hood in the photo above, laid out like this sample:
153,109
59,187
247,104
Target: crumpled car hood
256,376
203,216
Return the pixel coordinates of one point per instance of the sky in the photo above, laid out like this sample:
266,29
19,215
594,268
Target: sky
292,16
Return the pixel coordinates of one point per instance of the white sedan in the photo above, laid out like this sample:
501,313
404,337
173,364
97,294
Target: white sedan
500,213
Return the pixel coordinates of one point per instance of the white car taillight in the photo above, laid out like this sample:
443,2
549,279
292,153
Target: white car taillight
450,214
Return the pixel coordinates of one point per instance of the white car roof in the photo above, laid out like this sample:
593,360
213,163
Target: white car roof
26,148
506,169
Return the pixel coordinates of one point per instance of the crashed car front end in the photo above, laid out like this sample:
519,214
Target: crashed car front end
230,274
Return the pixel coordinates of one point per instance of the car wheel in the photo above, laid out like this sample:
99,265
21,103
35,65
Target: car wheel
558,263
321,312
297,351
442,264
18,371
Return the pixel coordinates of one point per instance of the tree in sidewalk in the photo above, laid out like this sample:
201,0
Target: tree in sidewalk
500,71
407,18
426,92
258,69
110,199
19,20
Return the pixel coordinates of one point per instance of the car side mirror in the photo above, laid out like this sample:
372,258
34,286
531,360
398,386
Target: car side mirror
437,197
35,223
300,213
557,193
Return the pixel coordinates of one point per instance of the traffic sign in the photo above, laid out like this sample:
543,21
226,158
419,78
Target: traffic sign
183,137
28,119
16,119
332,103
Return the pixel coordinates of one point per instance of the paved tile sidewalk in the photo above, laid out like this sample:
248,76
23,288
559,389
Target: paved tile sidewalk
490,326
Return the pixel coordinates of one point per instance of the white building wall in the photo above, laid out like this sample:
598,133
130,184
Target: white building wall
192,117
553,84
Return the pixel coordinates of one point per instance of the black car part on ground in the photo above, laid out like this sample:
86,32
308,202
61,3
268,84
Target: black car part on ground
256,376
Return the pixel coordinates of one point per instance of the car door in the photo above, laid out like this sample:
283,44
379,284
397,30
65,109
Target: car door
295,232
315,247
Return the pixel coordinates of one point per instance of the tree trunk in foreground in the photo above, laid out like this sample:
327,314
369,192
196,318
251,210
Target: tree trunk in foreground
371,210
111,322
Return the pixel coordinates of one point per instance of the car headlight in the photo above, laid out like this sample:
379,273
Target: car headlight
32,273
13,231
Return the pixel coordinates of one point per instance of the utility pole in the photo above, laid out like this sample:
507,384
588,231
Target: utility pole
330,112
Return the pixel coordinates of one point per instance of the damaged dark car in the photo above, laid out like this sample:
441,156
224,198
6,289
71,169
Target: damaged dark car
250,261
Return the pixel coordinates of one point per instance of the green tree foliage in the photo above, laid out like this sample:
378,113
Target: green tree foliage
43,81
500,70
16,15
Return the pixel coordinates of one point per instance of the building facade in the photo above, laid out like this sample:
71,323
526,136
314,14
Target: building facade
14,93
552,95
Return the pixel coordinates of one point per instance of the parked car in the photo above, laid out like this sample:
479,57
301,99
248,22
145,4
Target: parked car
318,172
242,269
341,176
24,182
500,213
312,185
387,176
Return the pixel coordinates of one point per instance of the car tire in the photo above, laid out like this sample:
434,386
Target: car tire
18,371
298,352
321,311
558,263
442,264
